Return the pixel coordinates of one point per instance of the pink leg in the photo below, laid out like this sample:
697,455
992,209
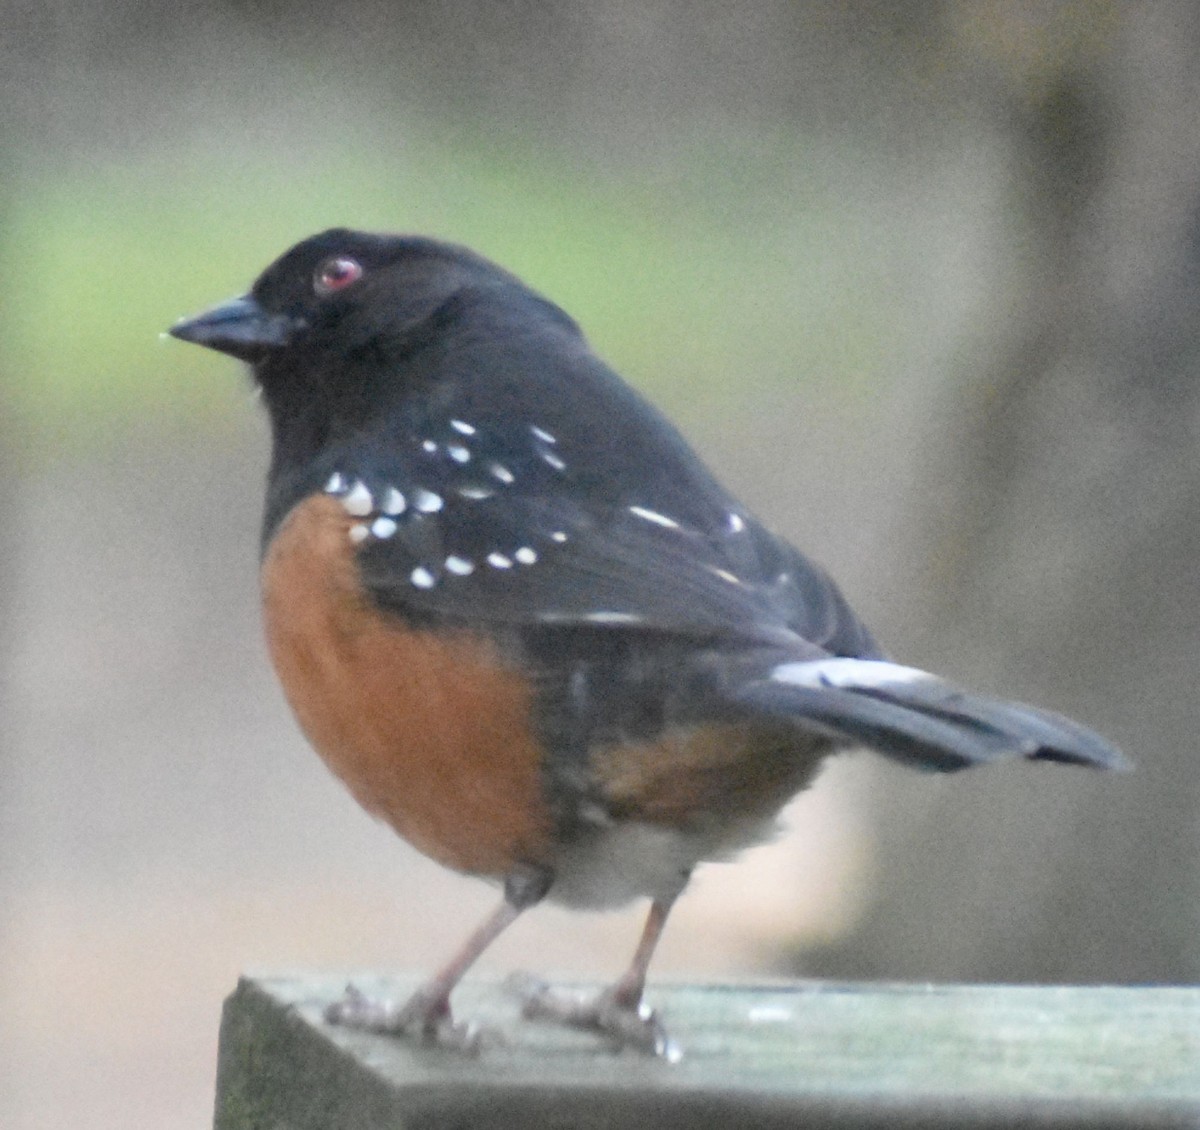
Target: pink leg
618,1012
426,1014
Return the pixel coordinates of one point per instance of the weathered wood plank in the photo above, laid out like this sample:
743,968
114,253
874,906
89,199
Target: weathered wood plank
809,1054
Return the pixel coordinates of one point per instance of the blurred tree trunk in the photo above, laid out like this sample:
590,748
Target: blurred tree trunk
1065,554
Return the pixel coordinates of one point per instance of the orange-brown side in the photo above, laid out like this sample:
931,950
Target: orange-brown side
690,777
430,733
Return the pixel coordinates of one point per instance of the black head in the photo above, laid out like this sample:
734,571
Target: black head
353,335
318,289
344,307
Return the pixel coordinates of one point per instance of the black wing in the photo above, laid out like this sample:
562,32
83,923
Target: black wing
512,524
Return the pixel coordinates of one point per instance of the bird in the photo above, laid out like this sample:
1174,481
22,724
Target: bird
528,628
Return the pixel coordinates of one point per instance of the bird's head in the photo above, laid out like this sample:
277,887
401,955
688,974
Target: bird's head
346,317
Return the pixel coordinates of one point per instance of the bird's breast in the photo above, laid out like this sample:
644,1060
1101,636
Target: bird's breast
430,732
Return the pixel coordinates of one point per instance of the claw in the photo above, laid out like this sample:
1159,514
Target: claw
630,1024
423,1017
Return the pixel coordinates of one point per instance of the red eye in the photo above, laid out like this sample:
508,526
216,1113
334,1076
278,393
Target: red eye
336,274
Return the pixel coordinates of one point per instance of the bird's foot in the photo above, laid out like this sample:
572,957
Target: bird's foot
424,1017
629,1023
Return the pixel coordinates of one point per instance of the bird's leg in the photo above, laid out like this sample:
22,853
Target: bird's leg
619,1011
426,1014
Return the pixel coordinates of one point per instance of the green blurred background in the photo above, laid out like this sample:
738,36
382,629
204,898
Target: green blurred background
919,280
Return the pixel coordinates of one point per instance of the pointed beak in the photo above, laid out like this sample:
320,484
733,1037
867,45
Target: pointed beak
239,327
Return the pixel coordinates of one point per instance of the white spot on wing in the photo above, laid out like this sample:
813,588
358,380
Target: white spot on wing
459,566
501,472
358,532
725,575
358,501
736,522
499,561
654,516
383,527
429,446
458,453
542,434
393,502
612,618
462,427
427,501
558,536
525,555
422,578
848,673
554,461
475,494
336,484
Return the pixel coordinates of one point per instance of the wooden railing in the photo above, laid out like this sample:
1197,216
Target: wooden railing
789,1055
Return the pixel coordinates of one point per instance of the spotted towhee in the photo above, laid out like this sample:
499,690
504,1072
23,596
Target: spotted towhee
525,625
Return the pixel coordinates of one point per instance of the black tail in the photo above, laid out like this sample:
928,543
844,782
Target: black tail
915,717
